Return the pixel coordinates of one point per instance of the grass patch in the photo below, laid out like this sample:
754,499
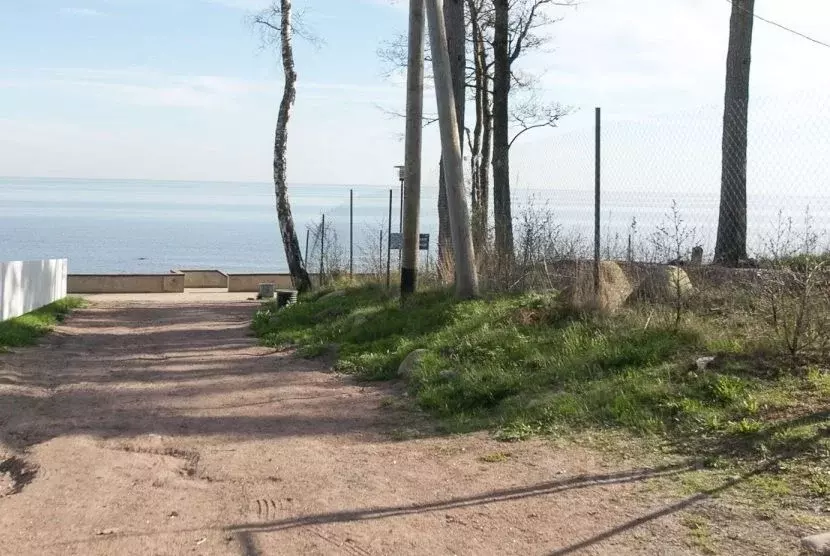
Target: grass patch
522,365
700,536
27,329
495,457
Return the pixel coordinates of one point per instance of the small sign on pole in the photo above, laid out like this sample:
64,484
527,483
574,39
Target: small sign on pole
423,242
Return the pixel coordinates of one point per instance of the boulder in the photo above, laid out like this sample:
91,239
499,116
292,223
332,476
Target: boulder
448,375
411,363
703,363
665,284
817,544
332,295
614,288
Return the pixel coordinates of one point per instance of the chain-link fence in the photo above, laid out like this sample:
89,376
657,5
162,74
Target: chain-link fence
660,198
662,178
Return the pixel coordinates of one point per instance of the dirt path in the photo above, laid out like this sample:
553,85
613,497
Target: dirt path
163,429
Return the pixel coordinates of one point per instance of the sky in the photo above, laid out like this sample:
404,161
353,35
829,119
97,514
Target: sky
183,90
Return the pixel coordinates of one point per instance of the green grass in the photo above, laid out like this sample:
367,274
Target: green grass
27,329
523,365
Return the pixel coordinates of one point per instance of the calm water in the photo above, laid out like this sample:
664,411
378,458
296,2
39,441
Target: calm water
145,226
151,226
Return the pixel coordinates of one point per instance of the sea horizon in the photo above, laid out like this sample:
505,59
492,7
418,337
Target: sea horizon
147,226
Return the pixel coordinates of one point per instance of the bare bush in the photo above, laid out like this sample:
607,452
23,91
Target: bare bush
795,286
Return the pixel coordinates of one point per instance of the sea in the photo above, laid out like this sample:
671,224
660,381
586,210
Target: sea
137,226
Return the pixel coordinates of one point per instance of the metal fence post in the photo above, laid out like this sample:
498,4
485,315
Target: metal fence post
597,167
389,245
322,247
351,232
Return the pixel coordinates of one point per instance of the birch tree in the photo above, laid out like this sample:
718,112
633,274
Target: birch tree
276,24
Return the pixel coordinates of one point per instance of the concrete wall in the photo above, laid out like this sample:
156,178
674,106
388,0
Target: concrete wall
204,278
251,282
28,285
126,283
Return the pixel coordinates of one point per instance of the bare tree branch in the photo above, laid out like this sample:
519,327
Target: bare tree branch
533,114
428,120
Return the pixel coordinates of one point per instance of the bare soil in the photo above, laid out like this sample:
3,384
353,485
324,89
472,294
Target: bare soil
160,427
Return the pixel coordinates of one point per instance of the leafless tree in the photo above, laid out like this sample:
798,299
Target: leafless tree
516,30
528,111
276,25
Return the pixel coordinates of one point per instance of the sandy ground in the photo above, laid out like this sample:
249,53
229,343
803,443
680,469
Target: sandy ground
160,427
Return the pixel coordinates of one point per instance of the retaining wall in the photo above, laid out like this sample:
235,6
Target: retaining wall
126,283
28,285
251,282
204,278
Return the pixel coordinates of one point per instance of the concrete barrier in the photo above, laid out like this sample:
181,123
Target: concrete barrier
28,285
204,278
251,282
126,283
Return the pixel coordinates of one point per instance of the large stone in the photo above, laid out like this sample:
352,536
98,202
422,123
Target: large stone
332,295
411,362
614,288
817,544
665,284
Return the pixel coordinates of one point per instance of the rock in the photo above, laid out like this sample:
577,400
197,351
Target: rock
704,362
614,288
411,362
332,295
665,284
817,544
448,375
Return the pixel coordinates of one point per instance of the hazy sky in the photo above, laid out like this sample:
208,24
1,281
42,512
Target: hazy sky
179,89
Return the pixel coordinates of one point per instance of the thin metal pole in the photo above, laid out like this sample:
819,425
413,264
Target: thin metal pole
351,232
322,247
389,245
412,159
307,233
597,191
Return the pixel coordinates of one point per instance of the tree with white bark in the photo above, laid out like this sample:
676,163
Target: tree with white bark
526,110
277,27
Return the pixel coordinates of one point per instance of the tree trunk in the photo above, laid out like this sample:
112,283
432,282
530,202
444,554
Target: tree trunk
444,239
478,201
466,283
456,37
486,144
501,140
730,247
293,254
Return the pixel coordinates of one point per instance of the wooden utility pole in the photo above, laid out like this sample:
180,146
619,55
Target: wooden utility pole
414,126
730,245
466,279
